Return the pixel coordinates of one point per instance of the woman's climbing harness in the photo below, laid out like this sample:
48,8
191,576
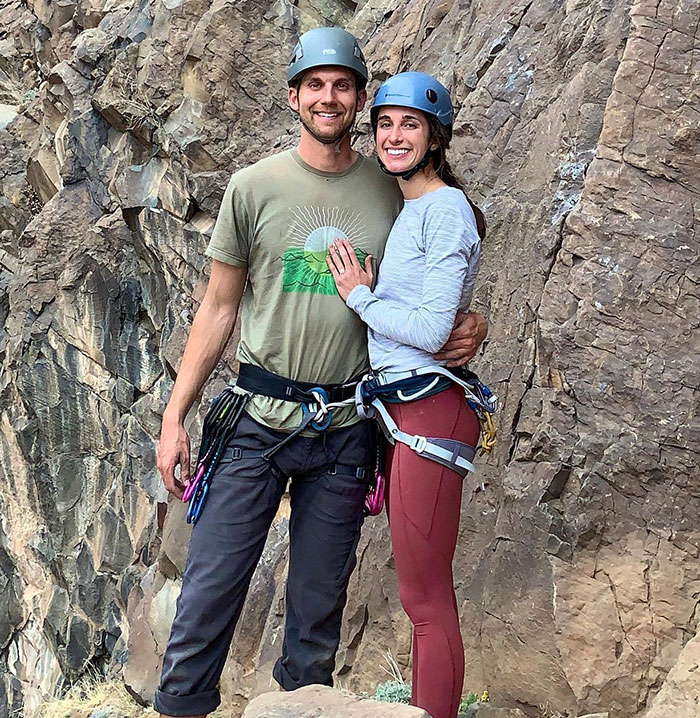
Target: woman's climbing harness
398,387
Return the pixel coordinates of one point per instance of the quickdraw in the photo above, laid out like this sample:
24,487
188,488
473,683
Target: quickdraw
217,429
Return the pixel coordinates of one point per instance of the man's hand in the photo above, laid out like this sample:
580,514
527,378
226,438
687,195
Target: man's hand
469,331
174,450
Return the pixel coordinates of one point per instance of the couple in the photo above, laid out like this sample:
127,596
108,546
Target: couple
295,231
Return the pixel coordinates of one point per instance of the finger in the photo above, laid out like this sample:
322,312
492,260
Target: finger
331,266
453,355
460,344
368,267
334,258
185,466
465,331
348,254
339,258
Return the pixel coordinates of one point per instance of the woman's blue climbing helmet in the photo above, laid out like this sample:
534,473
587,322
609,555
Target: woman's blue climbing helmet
327,46
417,91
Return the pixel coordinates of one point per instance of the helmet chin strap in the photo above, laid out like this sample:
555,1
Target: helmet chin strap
407,174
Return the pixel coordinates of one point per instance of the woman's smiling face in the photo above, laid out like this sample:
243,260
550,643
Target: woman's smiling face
403,137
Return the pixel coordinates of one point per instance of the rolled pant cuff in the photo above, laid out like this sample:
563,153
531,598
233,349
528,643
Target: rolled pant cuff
281,675
284,678
195,704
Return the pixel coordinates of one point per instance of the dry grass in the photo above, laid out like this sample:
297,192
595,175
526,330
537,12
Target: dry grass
90,694
547,712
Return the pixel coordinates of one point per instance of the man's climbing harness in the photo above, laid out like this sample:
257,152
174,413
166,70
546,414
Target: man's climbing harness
317,400
218,427
399,387
317,405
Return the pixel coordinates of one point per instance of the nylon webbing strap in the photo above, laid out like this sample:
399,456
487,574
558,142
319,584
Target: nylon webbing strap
432,371
458,457
256,380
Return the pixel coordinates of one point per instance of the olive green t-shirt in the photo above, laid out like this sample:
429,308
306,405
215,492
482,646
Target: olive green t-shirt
277,218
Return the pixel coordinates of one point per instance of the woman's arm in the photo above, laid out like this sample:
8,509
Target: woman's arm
450,246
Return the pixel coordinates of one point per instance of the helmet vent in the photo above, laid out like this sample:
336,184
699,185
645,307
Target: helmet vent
431,95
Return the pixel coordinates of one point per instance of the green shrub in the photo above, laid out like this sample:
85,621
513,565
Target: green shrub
393,692
471,698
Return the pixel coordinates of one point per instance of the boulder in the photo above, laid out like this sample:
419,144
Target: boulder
325,702
486,710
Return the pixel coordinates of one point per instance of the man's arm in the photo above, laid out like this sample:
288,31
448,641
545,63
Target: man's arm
211,330
469,332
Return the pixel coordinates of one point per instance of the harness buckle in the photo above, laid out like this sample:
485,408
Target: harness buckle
418,443
236,453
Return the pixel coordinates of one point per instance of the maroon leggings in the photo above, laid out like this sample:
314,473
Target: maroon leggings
424,506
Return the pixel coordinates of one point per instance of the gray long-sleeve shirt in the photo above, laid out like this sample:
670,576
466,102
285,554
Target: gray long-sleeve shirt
430,264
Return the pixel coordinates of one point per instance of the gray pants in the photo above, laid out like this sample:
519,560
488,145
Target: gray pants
327,493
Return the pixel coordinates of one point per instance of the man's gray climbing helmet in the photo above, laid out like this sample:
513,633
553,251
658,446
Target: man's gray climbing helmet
327,46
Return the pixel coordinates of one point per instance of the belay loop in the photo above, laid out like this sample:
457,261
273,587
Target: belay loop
323,416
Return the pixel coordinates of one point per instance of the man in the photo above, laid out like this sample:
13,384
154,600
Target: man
277,219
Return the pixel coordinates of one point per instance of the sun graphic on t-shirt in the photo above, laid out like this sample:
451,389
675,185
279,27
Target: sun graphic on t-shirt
313,230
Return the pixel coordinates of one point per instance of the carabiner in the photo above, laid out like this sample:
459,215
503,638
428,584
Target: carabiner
193,483
306,409
197,502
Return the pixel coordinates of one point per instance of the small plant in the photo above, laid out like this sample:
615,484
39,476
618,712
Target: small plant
470,700
393,692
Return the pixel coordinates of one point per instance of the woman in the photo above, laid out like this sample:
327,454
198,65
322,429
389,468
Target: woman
427,275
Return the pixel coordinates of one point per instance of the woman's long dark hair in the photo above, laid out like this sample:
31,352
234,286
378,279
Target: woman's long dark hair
442,135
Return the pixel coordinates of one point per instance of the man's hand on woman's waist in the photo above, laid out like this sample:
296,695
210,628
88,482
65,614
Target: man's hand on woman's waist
468,333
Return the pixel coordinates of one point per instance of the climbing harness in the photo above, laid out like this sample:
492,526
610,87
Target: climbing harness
218,427
399,387
317,401
317,405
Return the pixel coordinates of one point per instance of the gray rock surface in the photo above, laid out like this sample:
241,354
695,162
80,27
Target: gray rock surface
484,710
324,702
577,131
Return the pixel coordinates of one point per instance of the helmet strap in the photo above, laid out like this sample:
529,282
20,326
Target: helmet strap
408,174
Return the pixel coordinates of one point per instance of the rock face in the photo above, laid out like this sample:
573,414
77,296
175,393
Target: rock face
680,694
324,702
577,131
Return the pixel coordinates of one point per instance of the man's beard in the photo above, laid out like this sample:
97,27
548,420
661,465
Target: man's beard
327,139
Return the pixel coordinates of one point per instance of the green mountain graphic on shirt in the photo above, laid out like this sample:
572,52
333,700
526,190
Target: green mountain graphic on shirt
313,230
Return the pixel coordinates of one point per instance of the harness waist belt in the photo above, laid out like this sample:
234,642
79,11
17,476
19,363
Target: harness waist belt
256,380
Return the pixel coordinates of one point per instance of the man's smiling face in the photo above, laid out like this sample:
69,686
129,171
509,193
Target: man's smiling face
327,101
